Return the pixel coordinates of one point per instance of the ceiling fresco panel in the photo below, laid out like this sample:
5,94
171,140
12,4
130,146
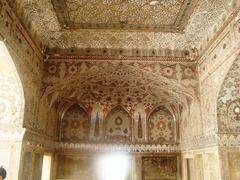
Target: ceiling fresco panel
113,83
174,24
169,16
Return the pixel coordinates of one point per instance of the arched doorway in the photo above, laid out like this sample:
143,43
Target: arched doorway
11,114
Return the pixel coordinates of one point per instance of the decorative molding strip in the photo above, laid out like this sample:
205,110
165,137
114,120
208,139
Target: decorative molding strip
122,54
122,58
20,45
117,147
229,140
213,41
200,142
34,139
18,25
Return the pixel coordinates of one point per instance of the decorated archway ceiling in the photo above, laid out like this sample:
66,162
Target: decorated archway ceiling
175,24
114,83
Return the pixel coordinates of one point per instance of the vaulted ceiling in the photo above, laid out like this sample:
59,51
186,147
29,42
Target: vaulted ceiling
112,83
72,32
174,24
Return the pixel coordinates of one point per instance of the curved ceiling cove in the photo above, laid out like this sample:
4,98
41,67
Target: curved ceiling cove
175,24
113,83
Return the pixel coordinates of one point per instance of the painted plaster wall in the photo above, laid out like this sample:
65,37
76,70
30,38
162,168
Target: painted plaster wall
203,164
200,118
28,59
213,68
230,156
214,65
38,118
32,134
69,165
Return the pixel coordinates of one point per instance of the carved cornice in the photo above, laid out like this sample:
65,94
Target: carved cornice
17,25
197,142
229,140
21,46
32,138
121,58
105,54
212,41
201,141
116,147
220,139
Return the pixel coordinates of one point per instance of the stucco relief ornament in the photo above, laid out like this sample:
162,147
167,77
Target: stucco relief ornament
62,70
140,133
45,22
97,126
72,69
116,147
193,53
237,112
110,81
118,121
234,111
52,69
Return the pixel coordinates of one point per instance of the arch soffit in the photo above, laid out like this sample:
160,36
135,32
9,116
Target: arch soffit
9,69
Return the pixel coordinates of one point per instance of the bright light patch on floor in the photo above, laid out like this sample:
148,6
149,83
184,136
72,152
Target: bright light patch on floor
114,167
46,167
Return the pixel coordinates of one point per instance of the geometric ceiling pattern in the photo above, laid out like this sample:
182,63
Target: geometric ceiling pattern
117,83
77,25
151,15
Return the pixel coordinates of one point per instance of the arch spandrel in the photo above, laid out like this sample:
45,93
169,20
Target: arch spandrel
228,103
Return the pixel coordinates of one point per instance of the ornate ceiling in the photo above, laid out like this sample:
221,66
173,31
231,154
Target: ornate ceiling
114,83
120,24
124,15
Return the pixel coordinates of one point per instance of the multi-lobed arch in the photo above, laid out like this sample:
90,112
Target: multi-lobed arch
75,125
117,125
161,126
